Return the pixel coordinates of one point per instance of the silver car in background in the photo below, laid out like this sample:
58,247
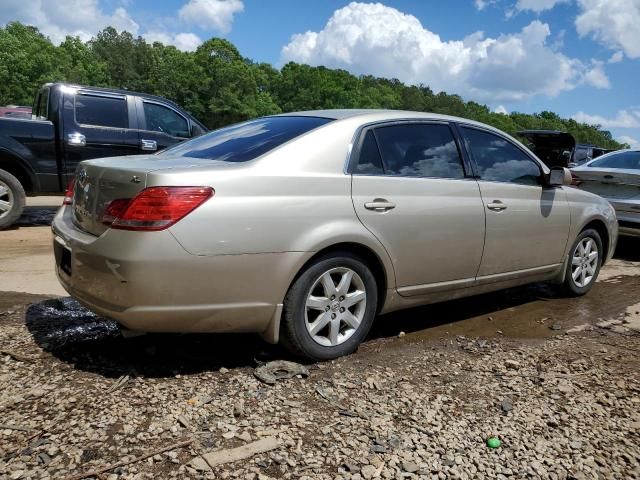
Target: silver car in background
616,177
305,226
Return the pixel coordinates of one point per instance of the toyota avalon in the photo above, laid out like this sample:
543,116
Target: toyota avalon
305,227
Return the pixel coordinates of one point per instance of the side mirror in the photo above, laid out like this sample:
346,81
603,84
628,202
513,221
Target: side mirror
559,176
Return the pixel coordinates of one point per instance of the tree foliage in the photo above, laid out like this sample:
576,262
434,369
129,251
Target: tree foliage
219,86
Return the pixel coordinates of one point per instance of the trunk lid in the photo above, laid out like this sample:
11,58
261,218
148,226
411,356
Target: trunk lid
100,181
614,184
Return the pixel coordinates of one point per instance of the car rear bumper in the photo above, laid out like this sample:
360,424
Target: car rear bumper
148,282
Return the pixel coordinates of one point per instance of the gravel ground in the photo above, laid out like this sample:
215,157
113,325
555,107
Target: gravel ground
76,396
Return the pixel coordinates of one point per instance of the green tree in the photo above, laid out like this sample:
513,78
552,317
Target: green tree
219,86
27,60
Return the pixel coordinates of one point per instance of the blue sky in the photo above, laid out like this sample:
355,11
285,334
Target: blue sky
579,58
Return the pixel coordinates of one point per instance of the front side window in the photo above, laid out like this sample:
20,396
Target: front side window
248,140
101,111
499,160
624,160
419,150
163,119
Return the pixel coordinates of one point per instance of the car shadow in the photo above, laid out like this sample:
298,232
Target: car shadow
36,217
628,248
78,337
454,313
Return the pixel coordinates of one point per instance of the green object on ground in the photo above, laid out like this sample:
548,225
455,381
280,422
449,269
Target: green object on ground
493,442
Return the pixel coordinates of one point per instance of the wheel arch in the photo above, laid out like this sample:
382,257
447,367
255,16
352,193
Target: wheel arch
13,164
382,272
369,257
601,227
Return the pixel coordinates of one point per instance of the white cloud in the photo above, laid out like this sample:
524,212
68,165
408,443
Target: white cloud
616,57
380,40
211,14
482,4
187,42
596,76
82,18
633,143
614,23
623,119
537,5
501,109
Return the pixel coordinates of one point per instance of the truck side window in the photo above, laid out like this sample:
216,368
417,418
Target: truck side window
101,111
163,119
41,110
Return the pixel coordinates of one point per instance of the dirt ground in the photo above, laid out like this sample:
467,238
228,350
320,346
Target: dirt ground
555,379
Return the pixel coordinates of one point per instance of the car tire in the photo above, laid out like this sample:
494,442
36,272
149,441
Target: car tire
12,197
318,327
583,263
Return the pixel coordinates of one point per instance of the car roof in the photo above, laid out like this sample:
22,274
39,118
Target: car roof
119,91
374,115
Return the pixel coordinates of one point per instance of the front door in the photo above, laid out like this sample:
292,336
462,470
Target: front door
160,126
527,222
410,190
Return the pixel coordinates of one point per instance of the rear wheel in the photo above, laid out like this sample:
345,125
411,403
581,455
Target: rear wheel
583,266
330,308
12,199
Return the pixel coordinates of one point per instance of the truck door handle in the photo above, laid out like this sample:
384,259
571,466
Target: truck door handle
76,139
150,145
379,205
496,206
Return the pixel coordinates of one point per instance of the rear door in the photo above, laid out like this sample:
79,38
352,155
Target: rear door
410,189
527,223
161,126
96,125
616,177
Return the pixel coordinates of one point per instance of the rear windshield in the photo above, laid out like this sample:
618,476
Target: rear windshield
625,160
245,141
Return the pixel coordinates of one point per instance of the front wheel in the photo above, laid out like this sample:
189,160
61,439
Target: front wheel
330,308
12,199
583,266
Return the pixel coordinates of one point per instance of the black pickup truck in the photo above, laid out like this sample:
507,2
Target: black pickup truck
71,123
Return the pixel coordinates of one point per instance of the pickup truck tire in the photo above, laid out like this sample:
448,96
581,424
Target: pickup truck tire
12,199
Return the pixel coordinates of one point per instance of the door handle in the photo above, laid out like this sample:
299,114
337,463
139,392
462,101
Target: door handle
76,139
379,205
150,145
496,206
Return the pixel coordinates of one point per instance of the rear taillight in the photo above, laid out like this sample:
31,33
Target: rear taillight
155,208
68,193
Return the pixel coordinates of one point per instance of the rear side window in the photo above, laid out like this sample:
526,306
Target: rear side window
163,119
369,160
245,141
101,111
625,160
499,160
419,150
41,107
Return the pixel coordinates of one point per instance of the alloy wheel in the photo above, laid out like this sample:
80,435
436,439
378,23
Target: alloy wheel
584,262
335,306
6,199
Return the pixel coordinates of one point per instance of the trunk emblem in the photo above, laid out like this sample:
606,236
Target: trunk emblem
82,175
135,179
